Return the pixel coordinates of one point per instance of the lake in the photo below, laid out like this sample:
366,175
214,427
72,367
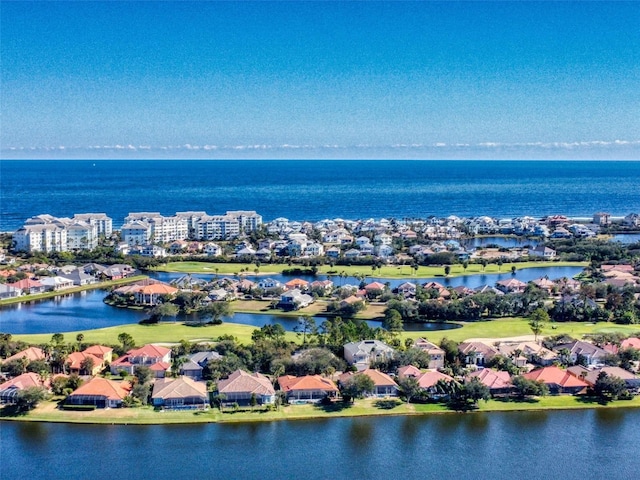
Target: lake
515,445
86,310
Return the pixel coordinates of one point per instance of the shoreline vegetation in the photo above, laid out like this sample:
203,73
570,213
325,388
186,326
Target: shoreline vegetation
48,412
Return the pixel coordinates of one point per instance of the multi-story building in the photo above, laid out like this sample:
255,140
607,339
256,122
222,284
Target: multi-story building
136,233
103,223
163,229
81,235
217,227
249,220
47,237
46,233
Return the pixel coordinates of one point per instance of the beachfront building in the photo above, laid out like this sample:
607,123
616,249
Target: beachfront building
161,229
46,233
103,223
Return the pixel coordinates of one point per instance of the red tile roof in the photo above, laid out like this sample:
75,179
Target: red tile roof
149,351
289,383
101,387
493,379
31,354
555,375
26,380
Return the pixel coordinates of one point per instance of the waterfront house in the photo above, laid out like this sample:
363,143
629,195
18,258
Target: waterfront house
557,380
541,251
512,285
498,382
56,283
383,384
591,375
241,386
9,291
9,390
307,389
427,380
100,392
294,300
28,285
298,283
523,352
363,353
181,393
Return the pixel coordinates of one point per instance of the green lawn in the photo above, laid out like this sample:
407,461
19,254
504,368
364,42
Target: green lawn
159,333
174,332
515,327
388,271
47,411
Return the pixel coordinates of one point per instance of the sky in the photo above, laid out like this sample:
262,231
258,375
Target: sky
520,80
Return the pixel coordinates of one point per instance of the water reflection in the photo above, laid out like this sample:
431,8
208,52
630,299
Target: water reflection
360,434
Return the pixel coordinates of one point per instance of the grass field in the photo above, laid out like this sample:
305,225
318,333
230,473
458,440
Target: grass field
388,271
47,411
174,332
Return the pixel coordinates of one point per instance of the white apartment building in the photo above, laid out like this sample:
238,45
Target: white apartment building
136,233
81,235
217,227
47,237
163,229
103,223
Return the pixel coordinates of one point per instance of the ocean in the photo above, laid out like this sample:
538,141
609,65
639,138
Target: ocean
318,189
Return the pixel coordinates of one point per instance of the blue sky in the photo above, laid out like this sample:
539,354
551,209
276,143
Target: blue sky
320,80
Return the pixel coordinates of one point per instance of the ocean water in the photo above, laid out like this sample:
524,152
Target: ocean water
317,189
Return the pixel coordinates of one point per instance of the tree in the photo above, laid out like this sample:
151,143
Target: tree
143,374
609,387
538,321
447,270
29,398
468,395
126,341
527,388
357,386
410,387
392,321
79,338
214,312
86,366
164,310
306,326
57,339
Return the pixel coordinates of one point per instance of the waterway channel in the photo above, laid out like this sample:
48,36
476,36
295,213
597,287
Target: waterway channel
569,445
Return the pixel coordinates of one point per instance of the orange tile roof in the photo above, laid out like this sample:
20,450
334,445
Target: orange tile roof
631,343
379,379
75,359
26,380
555,375
297,282
149,351
101,387
492,378
25,283
160,366
290,383
375,286
429,378
31,354
158,289
98,350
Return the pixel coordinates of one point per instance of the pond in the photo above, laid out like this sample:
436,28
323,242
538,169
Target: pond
86,310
